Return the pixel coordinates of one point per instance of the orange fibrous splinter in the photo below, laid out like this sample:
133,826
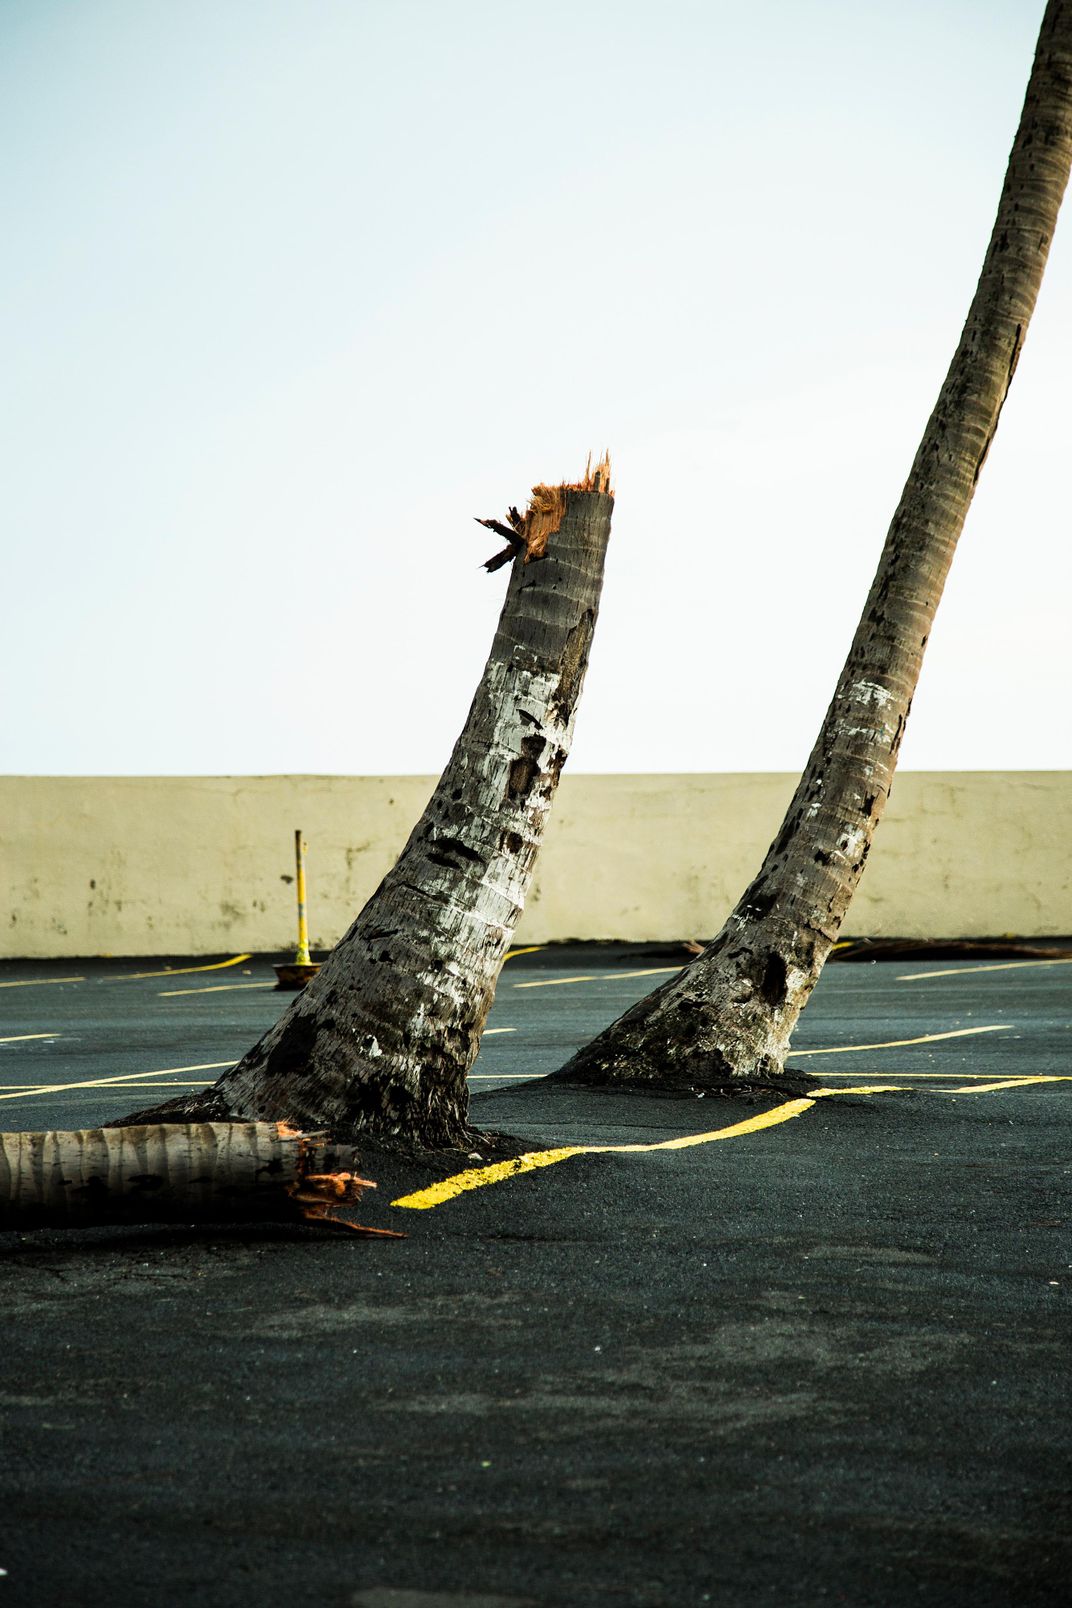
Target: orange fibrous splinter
528,533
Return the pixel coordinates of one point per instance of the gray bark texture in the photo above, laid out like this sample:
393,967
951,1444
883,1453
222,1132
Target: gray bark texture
157,1173
380,1041
730,1013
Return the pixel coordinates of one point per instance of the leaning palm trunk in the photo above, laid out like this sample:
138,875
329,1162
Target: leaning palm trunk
380,1041
166,1174
730,1013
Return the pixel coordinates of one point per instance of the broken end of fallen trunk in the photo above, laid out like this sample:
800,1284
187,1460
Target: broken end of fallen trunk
176,1173
527,534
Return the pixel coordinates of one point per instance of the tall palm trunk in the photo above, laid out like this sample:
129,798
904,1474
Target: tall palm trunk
380,1041
731,1012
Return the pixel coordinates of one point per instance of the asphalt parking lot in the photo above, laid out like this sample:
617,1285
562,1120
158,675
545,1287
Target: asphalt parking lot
712,1353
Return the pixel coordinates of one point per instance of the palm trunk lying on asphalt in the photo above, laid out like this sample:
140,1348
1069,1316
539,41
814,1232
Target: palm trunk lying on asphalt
380,1041
159,1173
729,1015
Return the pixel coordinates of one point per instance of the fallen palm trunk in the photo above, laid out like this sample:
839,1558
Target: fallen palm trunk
729,1015
167,1173
380,1041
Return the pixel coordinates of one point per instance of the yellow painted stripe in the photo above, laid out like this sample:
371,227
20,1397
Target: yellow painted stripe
652,971
896,1044
558,982
1009,1083
214,988
941,1077
477,1177
506,1077
126,1077
863,1088
488,1031
966,971
599,977
20,1038
182,971
533,949
42,982
82,1088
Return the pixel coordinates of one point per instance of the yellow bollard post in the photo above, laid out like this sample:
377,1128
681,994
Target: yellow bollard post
297,972
302,958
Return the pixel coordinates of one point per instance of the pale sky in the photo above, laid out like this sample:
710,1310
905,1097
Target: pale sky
291,289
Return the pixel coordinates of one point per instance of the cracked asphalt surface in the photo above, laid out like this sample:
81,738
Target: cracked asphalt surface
820,1361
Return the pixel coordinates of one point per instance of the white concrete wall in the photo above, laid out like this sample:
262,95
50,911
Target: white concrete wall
202,865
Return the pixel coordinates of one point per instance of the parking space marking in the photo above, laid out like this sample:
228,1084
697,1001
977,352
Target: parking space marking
897,1044
488,1031
916,1076
512,954
213,988
41,982
1007,1083
599,977
557,982
20,1038
115,1082
478,1177
182,971
966,971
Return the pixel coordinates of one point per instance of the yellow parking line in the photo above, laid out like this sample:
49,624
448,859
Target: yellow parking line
505,1077
652,971
599,977
941,1077
476,1177
20,1038
41,982
557,982
896,1044
965,971
182,971
533,949
1008,1083
214,988
488,1031
126,1077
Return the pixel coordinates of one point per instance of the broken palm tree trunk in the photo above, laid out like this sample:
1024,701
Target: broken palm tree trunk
380,1041
168,1173
730,1013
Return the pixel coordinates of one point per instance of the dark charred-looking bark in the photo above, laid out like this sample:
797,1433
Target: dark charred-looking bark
729,1015
380,1041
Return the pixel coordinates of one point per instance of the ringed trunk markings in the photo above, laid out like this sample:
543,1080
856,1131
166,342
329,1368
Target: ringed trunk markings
1001,965
180,971
120,1081
41,982
896,1044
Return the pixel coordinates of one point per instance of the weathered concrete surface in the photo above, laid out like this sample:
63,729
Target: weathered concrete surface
202,865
